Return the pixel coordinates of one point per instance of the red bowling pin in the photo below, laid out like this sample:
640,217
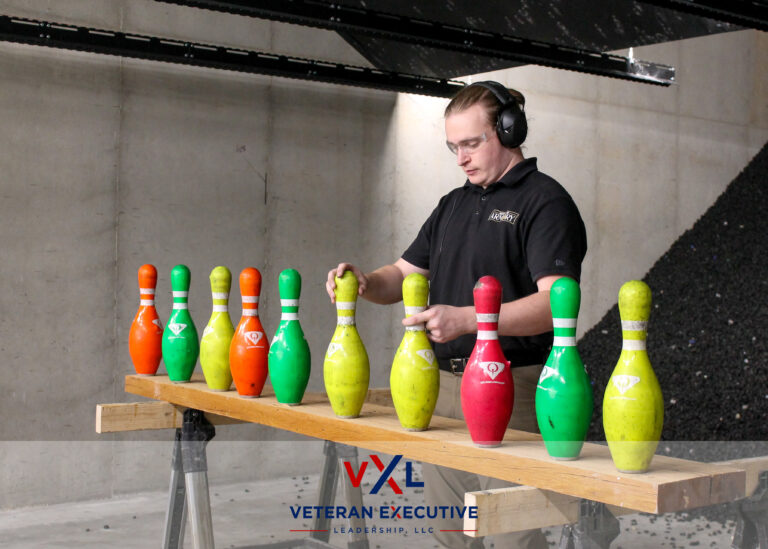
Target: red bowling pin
249,349
146,336
487,389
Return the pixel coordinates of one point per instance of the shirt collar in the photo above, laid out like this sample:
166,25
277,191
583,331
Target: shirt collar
515,175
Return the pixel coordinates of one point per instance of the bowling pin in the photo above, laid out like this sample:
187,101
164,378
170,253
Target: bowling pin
289,356
415,379
214,345
180,345
145,340
633,408
249,348
487,389
564,399
346,370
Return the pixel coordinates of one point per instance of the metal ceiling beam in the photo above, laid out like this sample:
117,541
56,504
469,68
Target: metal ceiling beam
55,35
746,13
433,34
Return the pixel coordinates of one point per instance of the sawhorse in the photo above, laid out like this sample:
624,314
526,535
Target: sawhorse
189,494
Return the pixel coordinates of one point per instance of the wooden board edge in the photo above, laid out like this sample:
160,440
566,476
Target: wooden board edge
145,416
518,508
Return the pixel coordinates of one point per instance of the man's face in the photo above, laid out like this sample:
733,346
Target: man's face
478,151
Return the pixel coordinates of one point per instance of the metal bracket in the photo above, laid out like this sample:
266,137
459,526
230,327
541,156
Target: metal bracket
596,528
752,518
196,432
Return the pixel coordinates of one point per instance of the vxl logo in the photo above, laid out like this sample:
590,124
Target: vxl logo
386,474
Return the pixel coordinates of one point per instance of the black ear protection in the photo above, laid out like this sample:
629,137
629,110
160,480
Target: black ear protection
511,125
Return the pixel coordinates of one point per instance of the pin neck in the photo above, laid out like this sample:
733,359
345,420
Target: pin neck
487,326
564,332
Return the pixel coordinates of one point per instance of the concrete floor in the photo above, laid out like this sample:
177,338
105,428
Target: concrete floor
247,514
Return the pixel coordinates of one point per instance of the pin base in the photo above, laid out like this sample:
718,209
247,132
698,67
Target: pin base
496,445
634,472
248,396
348,417
415,429
293,403
574,458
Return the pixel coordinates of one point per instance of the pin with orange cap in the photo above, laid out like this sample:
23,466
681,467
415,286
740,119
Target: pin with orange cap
145,339
249,350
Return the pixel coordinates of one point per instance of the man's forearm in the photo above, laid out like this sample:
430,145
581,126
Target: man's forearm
528,316
385,285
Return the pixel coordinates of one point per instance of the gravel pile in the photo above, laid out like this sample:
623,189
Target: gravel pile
707,329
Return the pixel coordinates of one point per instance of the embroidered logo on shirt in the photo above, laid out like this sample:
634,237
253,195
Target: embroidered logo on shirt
508,217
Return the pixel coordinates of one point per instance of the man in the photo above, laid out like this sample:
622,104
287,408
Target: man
508,220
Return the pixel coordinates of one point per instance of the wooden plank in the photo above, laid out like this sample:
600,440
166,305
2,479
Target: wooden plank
139,416
671,484
517,508
523,507
753,467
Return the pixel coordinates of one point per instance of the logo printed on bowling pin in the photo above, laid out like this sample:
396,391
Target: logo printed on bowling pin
428,355
254,337
546,372
492,369
624,383
176,328
157,323
332,348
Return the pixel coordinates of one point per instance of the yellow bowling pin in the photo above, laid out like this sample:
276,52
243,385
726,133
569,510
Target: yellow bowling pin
415,379
214,345
633,408
346,370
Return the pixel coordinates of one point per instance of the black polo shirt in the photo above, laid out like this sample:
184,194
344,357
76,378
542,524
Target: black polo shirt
519,229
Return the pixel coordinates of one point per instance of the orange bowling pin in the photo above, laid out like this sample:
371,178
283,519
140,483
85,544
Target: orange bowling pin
249,349
146,336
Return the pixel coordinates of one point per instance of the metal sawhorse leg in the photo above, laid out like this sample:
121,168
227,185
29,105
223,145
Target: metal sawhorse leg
752,519
596,528
334,453
189,477
189,490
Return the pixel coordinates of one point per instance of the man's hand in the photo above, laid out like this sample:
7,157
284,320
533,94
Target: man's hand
444,323
330,285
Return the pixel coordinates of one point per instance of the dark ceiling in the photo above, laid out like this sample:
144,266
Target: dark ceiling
596,25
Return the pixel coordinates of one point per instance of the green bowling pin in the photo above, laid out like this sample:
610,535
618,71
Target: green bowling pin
564,393
415,379
214,345
180,345
346,370
289,359
633,407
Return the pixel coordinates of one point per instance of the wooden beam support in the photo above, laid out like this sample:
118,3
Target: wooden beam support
140,416
519,508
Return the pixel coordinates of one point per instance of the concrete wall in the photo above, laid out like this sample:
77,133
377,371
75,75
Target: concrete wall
106,164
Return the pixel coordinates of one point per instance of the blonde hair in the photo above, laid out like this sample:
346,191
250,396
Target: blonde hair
474,94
